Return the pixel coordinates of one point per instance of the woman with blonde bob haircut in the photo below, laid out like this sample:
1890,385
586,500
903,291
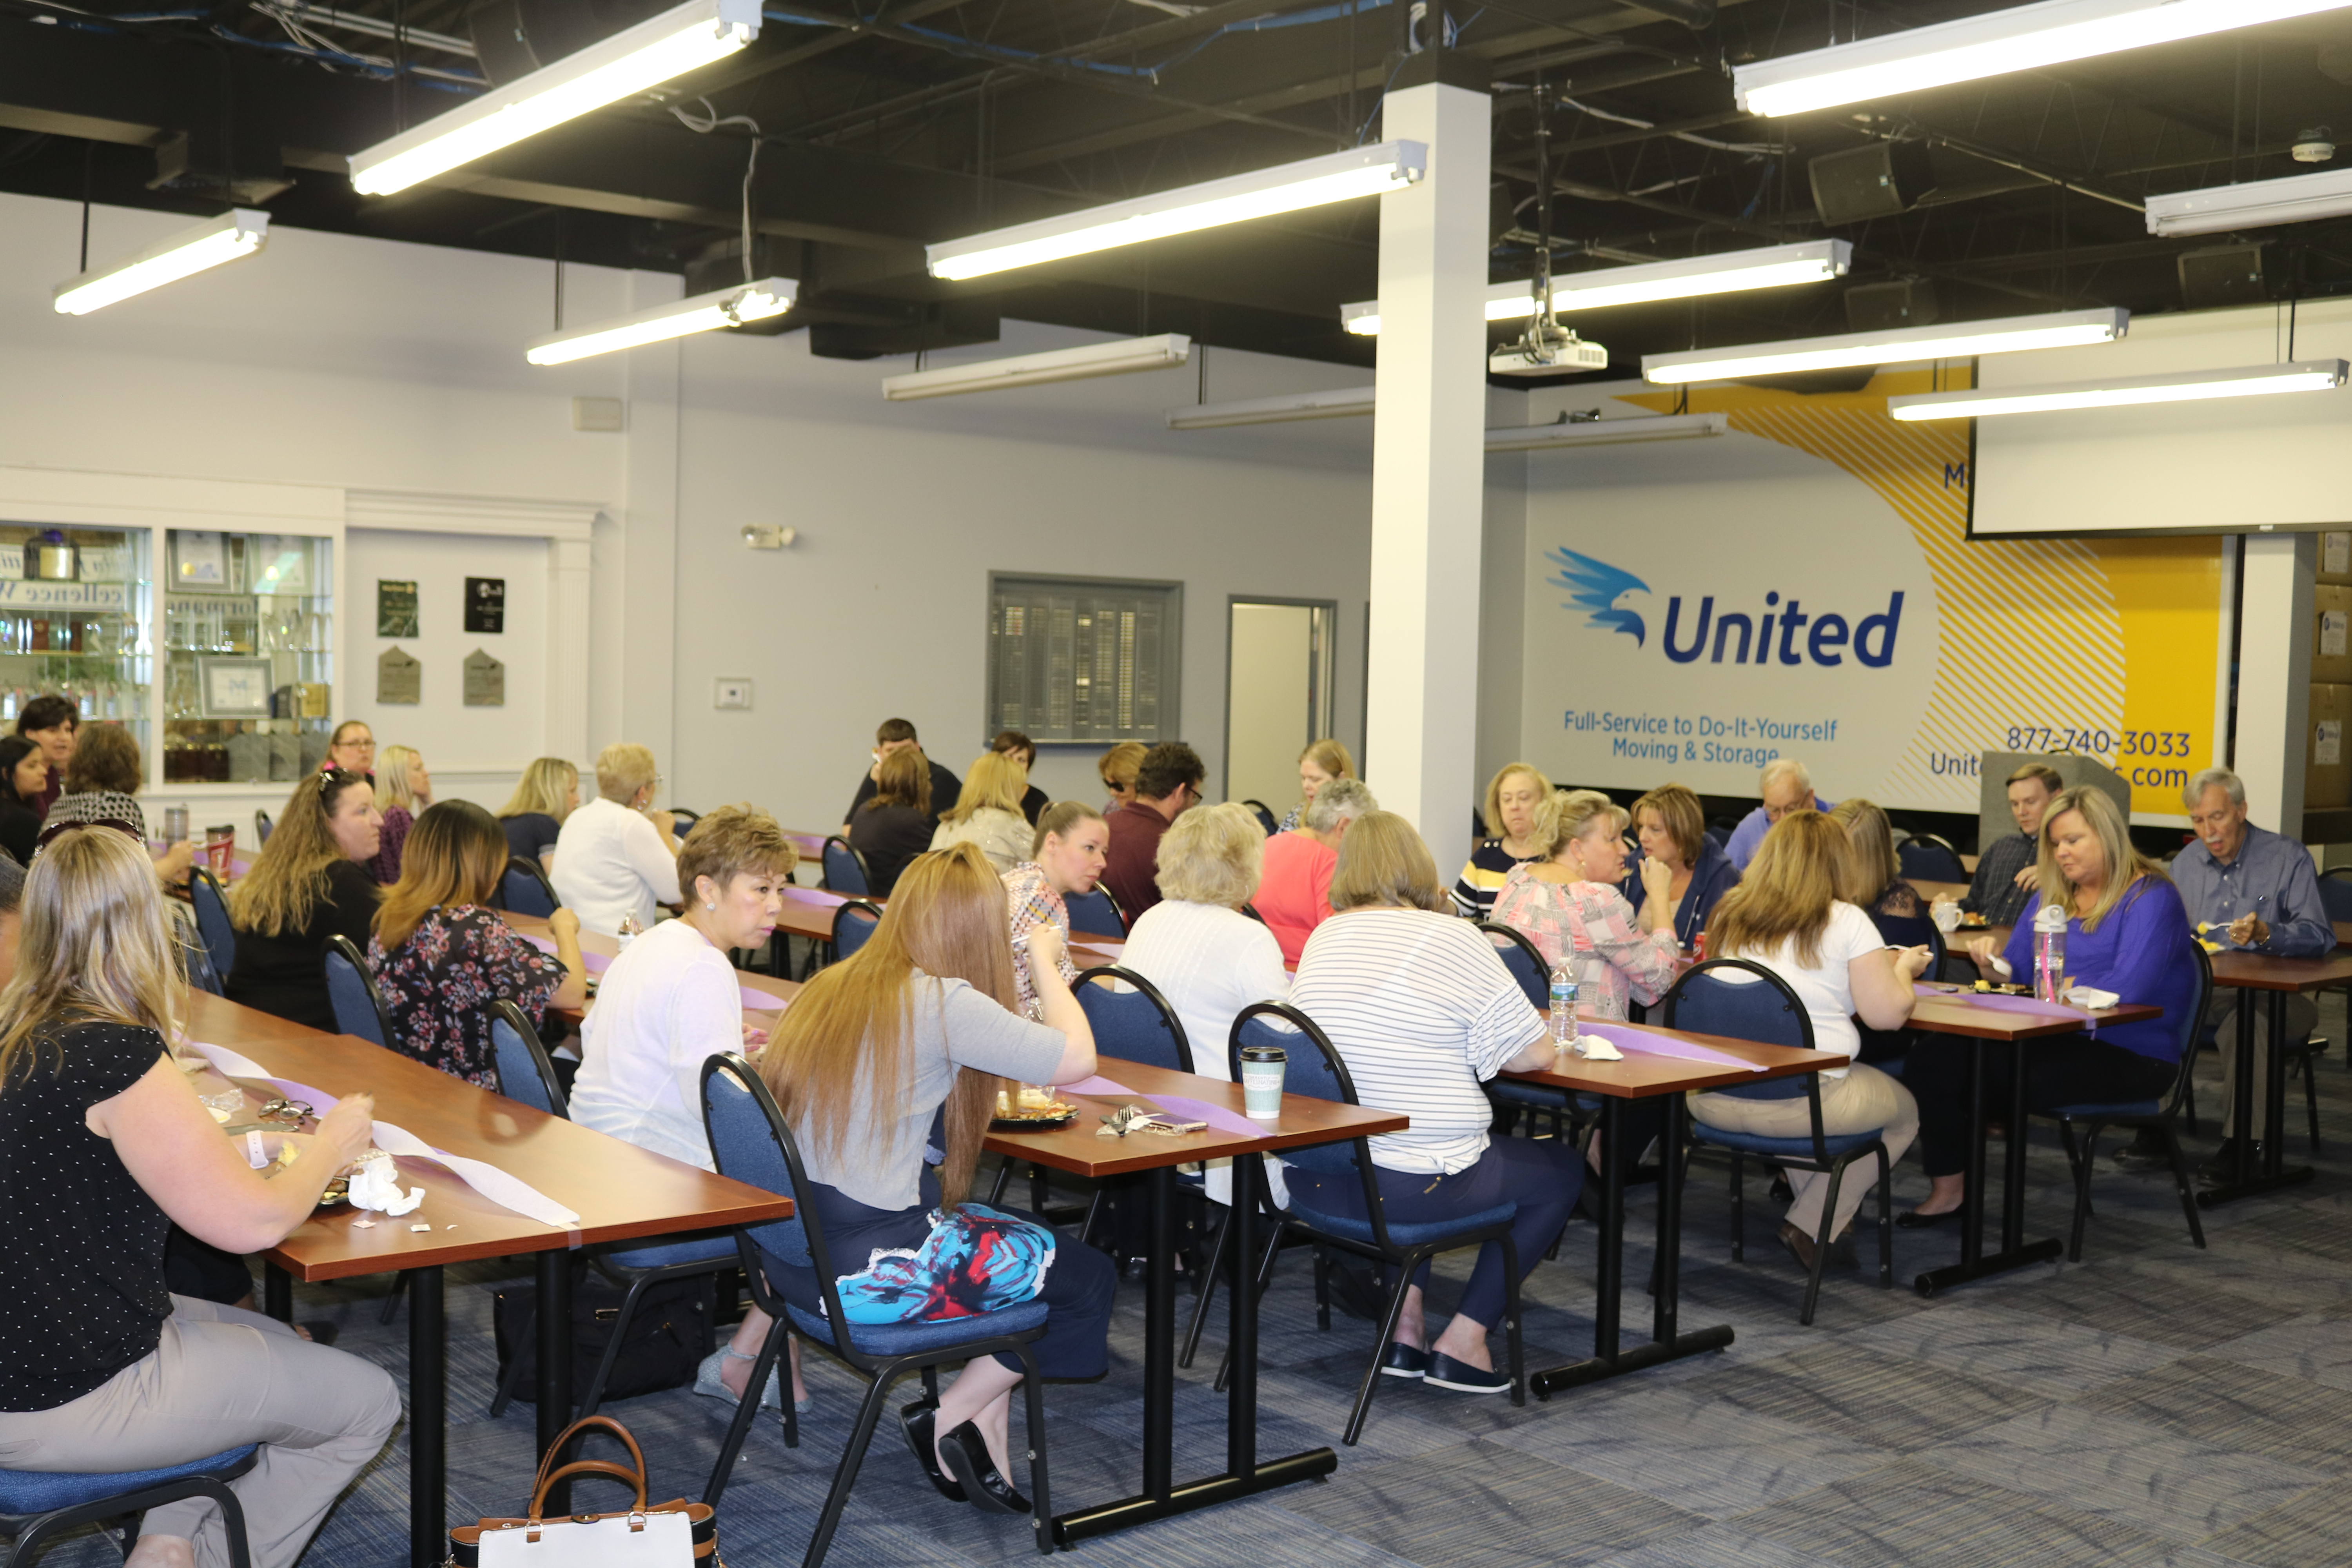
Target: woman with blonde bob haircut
1509,814
616,858
548,792
988,812
309,882
1420,1006
2126,931
442,956
1786,915
403,789
921,1018
103,1369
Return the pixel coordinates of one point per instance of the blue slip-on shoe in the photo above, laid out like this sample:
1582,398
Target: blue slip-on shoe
1444,1371
1404,1361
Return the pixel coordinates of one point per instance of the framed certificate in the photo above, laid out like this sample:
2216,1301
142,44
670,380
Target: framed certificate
233,687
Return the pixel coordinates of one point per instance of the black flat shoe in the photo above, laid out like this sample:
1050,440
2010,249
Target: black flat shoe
1799,1246
1913,1220
917,1421
966,1453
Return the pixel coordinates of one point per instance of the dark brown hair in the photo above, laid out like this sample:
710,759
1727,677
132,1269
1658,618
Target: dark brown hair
105,757
903,778
456,855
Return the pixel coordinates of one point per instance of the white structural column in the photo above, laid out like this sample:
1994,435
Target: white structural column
2275,677
1428,463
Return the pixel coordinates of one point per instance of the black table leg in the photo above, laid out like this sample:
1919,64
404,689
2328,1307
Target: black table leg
1245,1475
277,1292
2272,1170
2012,1176
1972,1202
554,1351
429,1420
1666,1343
2015,1252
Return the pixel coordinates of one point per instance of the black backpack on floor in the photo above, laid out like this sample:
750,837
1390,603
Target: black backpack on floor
668,1334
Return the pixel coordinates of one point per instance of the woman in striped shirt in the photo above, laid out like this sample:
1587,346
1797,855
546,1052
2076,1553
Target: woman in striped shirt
1421,1010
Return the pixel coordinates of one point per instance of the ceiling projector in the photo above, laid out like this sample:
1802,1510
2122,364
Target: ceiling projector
1548,349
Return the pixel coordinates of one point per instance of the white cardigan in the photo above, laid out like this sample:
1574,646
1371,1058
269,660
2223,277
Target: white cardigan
1004,836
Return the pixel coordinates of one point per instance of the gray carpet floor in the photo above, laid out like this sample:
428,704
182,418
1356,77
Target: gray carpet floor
2153,1405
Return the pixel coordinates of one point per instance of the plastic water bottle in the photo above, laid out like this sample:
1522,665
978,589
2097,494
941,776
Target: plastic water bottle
1563,1003
627,931
2049,952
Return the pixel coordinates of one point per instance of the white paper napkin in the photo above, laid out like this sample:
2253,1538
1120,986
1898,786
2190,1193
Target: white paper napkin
2091,998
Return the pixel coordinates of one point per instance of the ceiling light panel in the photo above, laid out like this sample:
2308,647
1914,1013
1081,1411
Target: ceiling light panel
1956,340
2255,204
1609,432
236,234
1341,403
1164,351
2122,392
1773,267
714,312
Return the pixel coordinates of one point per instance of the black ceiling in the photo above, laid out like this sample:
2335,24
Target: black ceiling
921,119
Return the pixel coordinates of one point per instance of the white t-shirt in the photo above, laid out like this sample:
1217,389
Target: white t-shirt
1423,1013
669,1001
609,862
1826,989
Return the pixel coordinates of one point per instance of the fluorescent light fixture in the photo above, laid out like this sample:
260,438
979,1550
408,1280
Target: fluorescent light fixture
1289,187
1773,267
1164,351
2119,392
1955,339
1341,403
239,232
633,60
697,313
1608,432
2021,38
2255,204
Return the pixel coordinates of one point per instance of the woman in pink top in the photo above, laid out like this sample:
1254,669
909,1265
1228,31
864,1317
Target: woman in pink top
1294,894
1565,900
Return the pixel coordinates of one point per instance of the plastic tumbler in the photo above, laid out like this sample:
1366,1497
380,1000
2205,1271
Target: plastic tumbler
1262,1071
220,846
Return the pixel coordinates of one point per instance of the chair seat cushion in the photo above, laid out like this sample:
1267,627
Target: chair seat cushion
684,1249
908,1339
1420,1235
2120,1109
26,1492
1838,1145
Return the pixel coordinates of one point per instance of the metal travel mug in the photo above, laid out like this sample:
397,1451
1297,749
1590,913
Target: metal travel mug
1262,1071
175,825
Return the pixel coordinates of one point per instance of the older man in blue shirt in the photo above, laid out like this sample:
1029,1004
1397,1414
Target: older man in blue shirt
2248,890
1786,786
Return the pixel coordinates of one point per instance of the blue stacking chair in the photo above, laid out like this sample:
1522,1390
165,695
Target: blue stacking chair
752,1143
359,1006
212,921
1136,1024
37,1506
1098,913
1265,817
526,1074
1764,1010
844,869
524,890
1315,1069
2157,1116
1930,859
852,922
261,825
1569,1113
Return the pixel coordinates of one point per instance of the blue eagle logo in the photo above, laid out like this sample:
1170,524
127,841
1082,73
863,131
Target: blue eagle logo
1596,586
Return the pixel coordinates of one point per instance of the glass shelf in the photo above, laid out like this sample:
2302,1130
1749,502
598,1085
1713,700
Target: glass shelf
248,657
81,630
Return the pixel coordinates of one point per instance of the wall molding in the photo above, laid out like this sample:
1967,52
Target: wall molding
417,511
74,498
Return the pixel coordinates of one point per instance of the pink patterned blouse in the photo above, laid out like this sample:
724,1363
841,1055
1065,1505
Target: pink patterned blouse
1590,917
1031,901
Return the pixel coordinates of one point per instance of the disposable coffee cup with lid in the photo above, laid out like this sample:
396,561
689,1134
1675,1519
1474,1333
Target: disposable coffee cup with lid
1262,1071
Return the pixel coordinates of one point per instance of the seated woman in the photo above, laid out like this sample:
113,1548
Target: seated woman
1512,796
919,1017
533,816
100,782
1118,768
1294,895
1787,916
402,790
53,724
1872,880
24,778
2126,931
1023,749
1423,1013
352,749
1568,904
669,1001
102,1369
1672,829
308,883
1065,861
616,856
441,955
1319,764
894,826
988,813
1206,957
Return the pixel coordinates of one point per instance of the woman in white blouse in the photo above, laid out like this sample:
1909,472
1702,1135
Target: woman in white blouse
616,856
988,813
1421,1010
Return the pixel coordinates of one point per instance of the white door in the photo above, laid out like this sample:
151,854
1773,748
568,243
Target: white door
1277,697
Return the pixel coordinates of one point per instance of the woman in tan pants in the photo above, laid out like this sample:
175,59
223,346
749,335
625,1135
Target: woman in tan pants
102,1147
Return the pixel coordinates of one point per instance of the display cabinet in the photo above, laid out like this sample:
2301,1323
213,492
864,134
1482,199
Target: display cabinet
248,656
76,618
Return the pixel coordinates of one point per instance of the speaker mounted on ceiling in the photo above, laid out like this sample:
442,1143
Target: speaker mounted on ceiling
1881,180
1884,307
2223,274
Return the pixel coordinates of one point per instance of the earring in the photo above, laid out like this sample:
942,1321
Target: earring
712,907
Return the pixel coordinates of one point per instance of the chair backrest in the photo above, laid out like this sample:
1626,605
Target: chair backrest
1315,1069
358,1006
261,825
1135,1025
2335,892
685,819
525,890
1763,1008
1097,911
526,1072
1930,859
1525,961
212,923
2190,1027
844,869
1265,817
852,922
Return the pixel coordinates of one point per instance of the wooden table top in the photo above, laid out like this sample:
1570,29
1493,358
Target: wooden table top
1642,1076
620,1191
1959,1011
2259,972
808,846
1079,1149
1931,891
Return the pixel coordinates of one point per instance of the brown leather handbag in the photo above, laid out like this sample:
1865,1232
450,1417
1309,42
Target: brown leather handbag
674,1534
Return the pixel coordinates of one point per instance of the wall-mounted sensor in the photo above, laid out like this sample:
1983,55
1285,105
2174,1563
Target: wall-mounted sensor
728,692
768,536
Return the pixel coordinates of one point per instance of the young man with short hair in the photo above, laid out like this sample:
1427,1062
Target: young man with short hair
1166,784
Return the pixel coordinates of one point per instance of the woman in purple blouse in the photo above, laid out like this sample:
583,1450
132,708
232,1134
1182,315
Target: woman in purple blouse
2126,931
